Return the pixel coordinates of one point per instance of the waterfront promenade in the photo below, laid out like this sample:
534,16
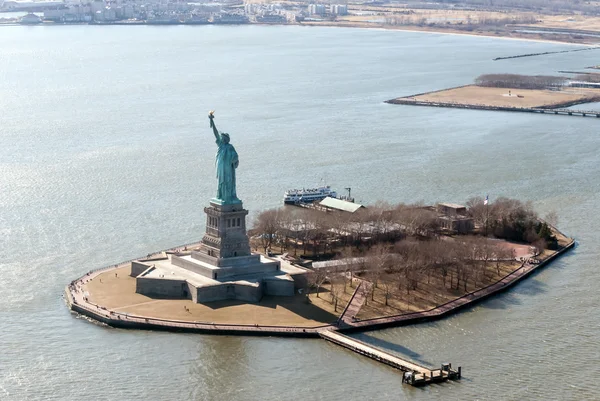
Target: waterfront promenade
78,300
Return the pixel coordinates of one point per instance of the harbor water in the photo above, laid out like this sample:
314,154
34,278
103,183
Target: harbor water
107,155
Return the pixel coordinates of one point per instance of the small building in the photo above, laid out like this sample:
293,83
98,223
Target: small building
30,19
340,205
453,218
451,209
457,224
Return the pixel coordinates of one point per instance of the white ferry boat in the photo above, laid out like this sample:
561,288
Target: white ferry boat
295,196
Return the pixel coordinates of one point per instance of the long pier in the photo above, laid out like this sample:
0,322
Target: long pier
414,374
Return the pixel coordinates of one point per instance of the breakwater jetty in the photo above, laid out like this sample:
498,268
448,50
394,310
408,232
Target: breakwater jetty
545,53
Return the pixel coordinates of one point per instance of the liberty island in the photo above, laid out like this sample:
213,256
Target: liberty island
219,286
116,191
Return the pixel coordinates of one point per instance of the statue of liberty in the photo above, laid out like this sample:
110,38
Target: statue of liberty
226,161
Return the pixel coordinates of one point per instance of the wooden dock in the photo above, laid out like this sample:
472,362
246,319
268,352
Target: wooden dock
414,374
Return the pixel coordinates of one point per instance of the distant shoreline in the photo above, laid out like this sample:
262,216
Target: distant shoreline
414,29
431,30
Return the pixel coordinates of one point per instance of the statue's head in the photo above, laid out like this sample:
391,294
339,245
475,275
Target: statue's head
225,137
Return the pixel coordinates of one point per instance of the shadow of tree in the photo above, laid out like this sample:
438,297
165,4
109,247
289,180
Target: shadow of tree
529,287
395,348
501,301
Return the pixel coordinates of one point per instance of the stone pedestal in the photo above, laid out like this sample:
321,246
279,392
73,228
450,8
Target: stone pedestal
221,268
225,235
225,249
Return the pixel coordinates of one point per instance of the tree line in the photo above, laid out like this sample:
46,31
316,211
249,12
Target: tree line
296,229
541,6
520,81
401,248
304,230
469,24
513,220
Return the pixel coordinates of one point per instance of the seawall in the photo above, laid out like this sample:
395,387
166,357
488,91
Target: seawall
79,304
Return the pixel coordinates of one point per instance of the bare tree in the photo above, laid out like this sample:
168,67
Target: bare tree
388,286
315,280
336,292
502,253
551,218
266,226
539,245
477,210
378,262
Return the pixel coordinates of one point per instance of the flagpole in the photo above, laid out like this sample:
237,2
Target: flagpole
487,214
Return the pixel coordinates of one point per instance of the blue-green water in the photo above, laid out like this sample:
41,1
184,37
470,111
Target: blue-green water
107,155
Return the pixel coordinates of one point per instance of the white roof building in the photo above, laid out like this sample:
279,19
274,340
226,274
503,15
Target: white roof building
341,205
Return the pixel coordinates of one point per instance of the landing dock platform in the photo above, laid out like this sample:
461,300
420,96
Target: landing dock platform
415,374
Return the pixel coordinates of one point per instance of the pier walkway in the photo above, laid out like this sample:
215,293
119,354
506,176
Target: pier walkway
416,374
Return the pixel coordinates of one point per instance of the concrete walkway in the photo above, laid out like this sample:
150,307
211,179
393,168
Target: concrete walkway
78,301
355,303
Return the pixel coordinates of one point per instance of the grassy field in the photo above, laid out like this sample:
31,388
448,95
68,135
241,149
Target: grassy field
500,97
583,22
325,302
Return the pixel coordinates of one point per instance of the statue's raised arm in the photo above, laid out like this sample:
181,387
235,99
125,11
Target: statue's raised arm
211,117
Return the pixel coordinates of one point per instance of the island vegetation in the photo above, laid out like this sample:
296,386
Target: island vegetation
412,262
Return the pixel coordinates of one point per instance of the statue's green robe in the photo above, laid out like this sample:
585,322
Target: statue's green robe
226,161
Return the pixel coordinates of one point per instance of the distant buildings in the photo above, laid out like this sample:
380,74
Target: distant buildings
321,9
170,11
338,9
29,6
316,9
